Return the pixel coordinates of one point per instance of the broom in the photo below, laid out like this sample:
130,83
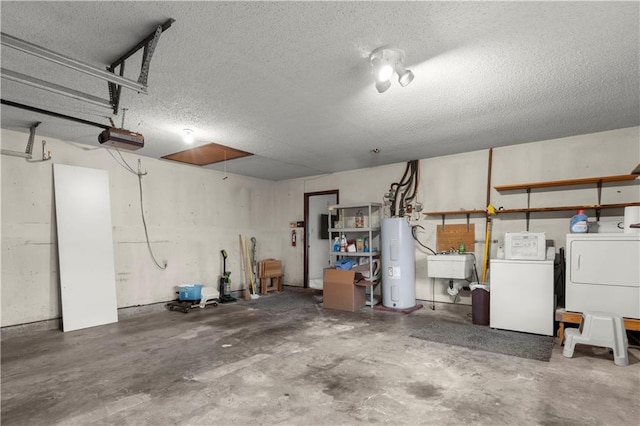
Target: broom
252,276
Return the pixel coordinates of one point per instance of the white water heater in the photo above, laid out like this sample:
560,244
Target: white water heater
398,264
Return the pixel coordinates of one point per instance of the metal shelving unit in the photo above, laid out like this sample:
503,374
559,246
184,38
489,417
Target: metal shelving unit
345,224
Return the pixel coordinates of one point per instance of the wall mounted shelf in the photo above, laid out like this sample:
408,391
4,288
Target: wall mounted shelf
567,208
567,182
455,213
466,213
598,181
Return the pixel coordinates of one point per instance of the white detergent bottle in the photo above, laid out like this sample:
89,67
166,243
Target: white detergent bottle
579,224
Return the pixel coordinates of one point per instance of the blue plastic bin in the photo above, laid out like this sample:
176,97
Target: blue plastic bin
191,292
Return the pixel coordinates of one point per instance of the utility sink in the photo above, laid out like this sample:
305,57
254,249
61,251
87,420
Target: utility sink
450,266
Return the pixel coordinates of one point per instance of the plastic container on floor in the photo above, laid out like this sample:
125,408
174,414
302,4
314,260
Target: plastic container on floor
190,292
479,304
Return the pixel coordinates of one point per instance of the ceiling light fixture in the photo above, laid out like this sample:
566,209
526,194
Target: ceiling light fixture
386,60
188,136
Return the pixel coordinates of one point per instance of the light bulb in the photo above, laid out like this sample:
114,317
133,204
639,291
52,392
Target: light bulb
188,136
382,86
384,72
381,70
405,76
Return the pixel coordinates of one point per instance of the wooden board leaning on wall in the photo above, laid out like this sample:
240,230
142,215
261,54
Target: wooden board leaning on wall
449,236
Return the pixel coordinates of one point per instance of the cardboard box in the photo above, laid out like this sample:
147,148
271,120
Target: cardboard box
340,292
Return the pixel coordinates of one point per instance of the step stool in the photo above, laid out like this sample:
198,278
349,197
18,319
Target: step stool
270,275
599,329
208,294
272,283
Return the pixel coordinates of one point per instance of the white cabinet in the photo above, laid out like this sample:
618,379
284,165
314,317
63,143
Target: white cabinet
603,273
363,238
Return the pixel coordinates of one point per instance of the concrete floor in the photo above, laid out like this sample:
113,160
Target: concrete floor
236,365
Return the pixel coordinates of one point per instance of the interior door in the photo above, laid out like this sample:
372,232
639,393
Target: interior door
317,243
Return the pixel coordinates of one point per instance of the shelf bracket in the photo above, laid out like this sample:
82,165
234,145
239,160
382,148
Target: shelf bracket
443,222
28,152
600,192
468,216
598,210
528,214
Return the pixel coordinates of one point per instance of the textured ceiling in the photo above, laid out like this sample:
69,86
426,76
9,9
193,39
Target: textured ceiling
290,81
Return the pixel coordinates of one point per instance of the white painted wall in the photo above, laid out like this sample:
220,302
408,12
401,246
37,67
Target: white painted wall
459,182
355,186
193,214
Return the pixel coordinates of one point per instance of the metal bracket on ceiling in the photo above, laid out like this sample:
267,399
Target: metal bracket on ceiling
32,136
28,152
116,82
50,55
149,44
149,48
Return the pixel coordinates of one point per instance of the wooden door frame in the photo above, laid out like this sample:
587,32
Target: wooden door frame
307,195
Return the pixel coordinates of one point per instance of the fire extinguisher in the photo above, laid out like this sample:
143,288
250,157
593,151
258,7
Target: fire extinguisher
293,238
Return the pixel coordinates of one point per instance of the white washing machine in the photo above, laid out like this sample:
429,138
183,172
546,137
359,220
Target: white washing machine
521,295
